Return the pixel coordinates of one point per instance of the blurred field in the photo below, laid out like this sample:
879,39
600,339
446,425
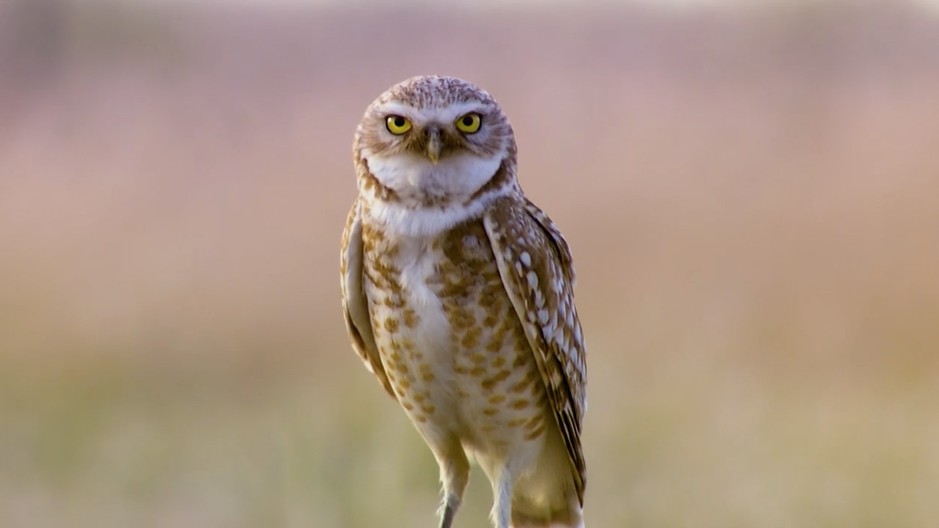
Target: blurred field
752,197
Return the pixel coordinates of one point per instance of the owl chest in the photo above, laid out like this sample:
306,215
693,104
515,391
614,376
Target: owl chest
446,330
432,299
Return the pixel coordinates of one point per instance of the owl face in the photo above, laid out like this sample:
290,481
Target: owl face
433,137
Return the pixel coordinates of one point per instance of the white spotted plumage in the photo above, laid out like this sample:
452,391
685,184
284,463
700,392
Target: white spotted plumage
458,295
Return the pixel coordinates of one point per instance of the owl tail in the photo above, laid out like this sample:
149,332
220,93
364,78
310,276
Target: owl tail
580,524
547,497
563,518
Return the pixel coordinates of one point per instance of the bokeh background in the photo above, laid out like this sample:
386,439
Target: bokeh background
750,189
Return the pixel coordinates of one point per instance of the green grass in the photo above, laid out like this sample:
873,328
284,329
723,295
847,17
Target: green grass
725,446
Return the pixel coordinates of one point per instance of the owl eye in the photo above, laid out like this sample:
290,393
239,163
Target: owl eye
469,123
397,125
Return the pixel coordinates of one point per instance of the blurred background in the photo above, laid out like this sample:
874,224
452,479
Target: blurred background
750,189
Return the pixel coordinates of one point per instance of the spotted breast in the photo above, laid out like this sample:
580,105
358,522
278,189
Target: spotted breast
451,345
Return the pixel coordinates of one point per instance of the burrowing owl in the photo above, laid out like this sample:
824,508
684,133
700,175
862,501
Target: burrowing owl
458,295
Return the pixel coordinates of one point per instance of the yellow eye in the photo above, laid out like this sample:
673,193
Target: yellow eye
469,123
397,125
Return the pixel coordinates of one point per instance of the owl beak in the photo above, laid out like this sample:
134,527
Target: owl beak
434,144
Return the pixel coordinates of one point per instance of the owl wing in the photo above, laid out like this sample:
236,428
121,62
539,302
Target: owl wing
538,273
354,302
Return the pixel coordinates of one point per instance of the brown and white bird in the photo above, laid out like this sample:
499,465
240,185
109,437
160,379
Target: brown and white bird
458,295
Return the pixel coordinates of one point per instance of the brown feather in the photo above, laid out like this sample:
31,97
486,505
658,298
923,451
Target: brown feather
354,303
536,267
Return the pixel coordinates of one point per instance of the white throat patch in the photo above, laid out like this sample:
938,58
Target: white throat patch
413,178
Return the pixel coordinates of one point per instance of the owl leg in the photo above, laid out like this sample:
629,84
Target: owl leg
454,475
502,504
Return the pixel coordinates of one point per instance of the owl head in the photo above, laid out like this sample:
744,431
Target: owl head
433,139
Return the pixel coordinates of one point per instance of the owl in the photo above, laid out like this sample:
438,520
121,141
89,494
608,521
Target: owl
458,296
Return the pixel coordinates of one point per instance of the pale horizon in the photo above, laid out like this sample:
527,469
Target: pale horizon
540,4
